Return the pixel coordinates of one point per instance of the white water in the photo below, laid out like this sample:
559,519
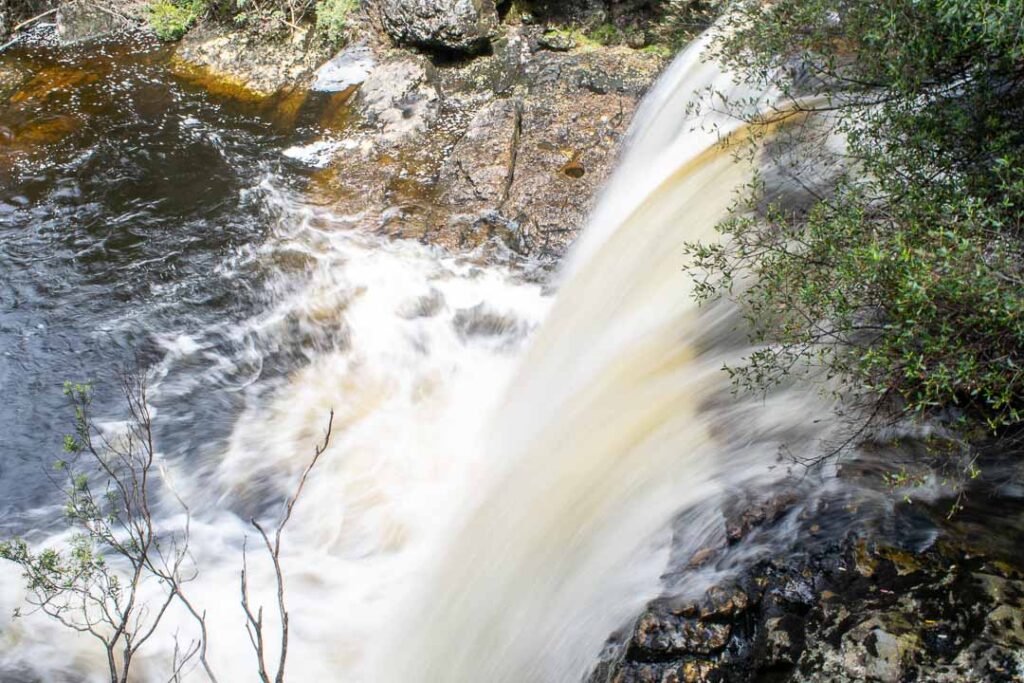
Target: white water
495,501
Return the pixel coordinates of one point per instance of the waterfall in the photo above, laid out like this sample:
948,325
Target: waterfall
614,422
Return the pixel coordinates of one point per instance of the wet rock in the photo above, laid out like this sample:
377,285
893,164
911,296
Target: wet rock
693,671
506,148
237,64
398,99
479,171
81,21
861,607
743,518
661,635
446,25
425,306
783,641
480,321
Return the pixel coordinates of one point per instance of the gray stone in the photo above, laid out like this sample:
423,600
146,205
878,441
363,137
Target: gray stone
557,42
81,21
398,99
447,25
349,67
667,635
478,173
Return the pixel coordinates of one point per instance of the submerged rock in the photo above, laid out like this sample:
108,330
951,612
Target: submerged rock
447,25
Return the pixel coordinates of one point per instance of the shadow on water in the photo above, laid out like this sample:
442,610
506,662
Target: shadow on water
129,204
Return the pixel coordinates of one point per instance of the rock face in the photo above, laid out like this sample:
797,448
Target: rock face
845,591
446,25
253,68
81,21
398,99
508,148
530,164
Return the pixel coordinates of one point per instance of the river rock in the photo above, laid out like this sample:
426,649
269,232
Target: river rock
81,21
479,172
446,25
870,602
529,166
348,68
237,64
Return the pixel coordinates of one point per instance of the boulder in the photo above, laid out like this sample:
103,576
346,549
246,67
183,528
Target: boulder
465,26
235,63
81,21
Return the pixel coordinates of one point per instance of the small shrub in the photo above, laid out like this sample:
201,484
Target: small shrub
170,20
606,34
332,18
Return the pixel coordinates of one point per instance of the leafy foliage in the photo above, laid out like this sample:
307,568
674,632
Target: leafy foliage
903,278
333,17
108,488
170,20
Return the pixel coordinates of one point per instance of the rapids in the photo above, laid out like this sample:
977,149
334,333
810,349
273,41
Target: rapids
506,465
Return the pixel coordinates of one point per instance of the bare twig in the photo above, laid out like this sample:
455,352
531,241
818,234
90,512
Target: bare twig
254,621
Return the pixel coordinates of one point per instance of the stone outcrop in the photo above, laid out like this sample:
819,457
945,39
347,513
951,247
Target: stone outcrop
442,25
508,146
845,590
511,146
530,164
238,64
81,21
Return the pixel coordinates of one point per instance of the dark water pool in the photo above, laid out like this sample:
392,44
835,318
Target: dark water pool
128,201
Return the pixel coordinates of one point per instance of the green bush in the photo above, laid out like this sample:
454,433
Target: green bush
332,18
904,279
170,20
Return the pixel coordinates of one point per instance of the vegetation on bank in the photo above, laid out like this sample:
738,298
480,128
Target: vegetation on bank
171,19
903,279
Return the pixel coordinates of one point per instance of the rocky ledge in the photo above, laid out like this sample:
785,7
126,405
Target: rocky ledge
509,141
850,584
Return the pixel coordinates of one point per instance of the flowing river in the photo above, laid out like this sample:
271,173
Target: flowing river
506,462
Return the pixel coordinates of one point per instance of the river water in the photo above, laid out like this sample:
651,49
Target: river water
147,224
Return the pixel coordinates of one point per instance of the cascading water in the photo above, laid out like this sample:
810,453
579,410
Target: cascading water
482,514
619,416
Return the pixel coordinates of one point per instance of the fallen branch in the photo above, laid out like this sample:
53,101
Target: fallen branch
34,19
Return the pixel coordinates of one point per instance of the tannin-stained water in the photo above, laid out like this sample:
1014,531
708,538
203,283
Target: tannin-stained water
497,496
